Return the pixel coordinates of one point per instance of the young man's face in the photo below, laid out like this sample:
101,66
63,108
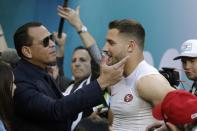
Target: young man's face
81,64
41,54
116,46
190,67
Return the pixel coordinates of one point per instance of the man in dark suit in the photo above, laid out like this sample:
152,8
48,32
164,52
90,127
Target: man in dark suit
38,103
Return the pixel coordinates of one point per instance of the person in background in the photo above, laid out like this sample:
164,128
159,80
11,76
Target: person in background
178,110
188,58
84,71
131,98
38,103
7,88
81,68
85,68
8,55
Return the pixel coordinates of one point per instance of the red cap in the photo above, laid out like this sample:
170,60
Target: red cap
178,107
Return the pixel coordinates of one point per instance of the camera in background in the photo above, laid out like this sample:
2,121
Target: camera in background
171,75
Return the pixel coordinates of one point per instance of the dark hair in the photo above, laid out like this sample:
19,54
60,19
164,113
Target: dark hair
22,38
6,102
92,124
131,28
80,48
95,69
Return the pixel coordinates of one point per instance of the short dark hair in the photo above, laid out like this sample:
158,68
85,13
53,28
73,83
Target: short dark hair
80,48
130,27
92,124
22,38
95,69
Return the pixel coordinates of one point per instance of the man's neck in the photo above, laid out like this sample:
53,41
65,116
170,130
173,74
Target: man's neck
131,65
42,66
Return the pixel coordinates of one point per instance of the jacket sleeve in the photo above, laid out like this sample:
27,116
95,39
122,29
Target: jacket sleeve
32,103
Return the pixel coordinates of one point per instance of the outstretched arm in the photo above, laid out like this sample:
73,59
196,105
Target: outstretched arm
73,17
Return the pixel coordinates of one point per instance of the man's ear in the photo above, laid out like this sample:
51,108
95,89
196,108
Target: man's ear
131,46
26,51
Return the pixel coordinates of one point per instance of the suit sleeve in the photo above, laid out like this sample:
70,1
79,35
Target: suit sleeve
31,103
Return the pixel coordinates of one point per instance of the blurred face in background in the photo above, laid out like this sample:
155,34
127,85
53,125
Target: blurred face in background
81,64
190,67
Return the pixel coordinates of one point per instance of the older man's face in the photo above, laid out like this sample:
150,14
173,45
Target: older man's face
41,54
81,64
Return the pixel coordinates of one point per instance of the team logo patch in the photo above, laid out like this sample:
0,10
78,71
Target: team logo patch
186,47
128,98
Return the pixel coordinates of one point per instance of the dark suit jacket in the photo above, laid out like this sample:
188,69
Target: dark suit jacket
40,106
